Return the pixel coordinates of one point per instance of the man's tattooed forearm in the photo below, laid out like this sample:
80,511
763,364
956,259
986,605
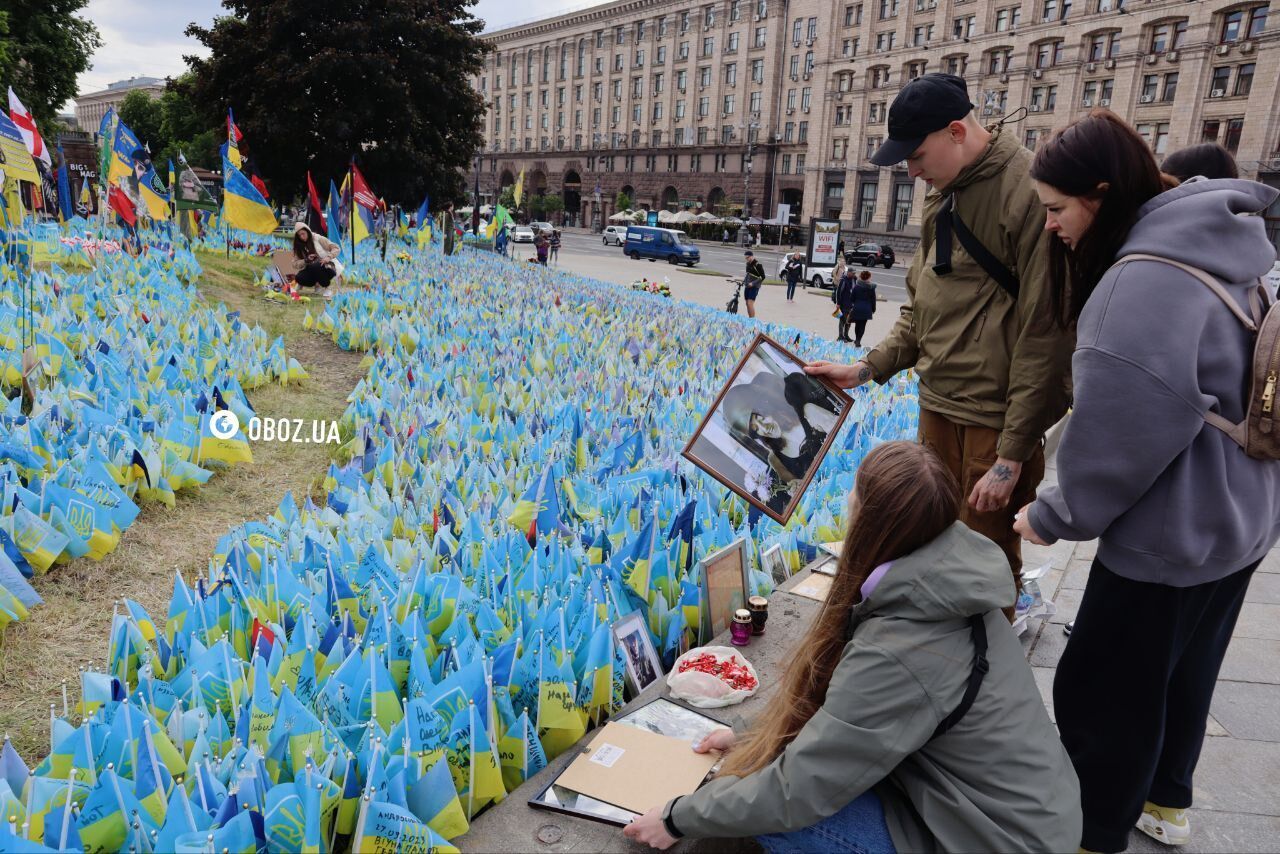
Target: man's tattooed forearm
864,374
1001,473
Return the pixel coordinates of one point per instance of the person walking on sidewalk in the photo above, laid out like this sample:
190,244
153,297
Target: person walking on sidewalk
792,273
1182,514
908,718
553,246
752,281
842,296
977,328
863,306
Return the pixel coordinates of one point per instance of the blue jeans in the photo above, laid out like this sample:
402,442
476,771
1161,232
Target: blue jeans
859,828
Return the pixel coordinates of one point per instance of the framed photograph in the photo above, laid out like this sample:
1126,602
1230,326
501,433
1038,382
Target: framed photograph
774,562
663,716
725,579
769,428
643,665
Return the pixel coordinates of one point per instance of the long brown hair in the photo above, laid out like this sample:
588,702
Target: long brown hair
905,499
1096,149
303,248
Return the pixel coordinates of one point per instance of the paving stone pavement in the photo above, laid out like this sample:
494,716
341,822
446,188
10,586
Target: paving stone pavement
1237,783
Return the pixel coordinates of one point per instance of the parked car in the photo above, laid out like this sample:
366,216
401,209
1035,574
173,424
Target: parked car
871,255
522,234
541,226
615,234
818,277
660,243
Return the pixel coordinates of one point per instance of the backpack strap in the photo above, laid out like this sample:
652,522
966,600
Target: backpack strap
948,222
1255,306
1238,433
978,630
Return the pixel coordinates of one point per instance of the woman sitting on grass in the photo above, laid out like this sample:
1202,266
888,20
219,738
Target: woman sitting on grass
909,720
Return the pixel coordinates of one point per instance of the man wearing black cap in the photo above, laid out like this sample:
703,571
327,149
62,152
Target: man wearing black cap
977,324
751,284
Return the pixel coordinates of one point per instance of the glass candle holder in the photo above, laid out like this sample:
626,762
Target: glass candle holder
759,608
740,629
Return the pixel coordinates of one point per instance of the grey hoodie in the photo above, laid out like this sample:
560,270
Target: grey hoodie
1173,499
1000,780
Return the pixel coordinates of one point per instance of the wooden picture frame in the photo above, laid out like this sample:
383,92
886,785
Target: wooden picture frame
724,583
643,666
769,429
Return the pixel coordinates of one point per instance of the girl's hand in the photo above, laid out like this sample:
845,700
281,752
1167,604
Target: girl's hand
1022,527
649,830
720,739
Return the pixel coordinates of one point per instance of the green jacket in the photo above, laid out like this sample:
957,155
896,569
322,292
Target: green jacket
1000,780
983,359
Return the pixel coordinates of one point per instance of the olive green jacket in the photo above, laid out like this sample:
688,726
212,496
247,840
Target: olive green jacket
982,358
1000,780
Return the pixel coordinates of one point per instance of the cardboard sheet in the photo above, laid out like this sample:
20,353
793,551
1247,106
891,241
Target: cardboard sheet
636,769
814,587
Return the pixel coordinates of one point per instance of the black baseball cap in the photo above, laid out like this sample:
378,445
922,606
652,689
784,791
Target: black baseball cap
749,254
926,104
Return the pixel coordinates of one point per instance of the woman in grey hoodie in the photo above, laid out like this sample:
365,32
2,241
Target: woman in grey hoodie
1183,516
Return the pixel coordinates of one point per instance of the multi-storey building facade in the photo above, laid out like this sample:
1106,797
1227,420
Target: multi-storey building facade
769,101
91,107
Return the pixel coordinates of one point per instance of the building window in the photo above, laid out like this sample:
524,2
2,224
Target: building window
1008,18
808,62
1000,60
1209,130
888,9
708,46
735,12
755,102
786,164
704,76
661,57
1235,127
732,46
1244,79
799,164
916,69
1219,80
761,35
1156,135
838,148
964,26
956,64
848,16
902,195
866,200
757,71
806,97
1032,138
1170,86
802,132
704,107
885,41
812,31
796,30
1048,54
731,74
795,66
1168,36
1104,46
1150,84
879,76
1243,23
873,143
682,52
728,105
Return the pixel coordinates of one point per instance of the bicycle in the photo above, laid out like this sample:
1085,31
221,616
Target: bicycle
732,305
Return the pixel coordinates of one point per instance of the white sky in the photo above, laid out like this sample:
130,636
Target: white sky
144,38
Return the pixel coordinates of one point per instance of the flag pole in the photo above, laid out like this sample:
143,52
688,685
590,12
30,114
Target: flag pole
351,212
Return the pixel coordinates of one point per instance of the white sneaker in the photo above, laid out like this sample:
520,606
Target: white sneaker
1165,824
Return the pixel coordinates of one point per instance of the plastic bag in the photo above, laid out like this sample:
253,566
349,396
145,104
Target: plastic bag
705,690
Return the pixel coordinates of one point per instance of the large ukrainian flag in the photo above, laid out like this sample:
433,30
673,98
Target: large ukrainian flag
242,204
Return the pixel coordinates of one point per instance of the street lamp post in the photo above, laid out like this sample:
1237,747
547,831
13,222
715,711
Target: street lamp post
475,204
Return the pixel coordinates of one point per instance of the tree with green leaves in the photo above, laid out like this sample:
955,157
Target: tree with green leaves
622,201
44,47
314,82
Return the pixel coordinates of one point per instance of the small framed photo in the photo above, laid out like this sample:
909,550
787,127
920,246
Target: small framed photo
769,428
643,665
774,562
724,579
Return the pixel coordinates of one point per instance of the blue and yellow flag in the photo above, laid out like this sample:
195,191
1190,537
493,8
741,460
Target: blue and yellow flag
154,194
242,204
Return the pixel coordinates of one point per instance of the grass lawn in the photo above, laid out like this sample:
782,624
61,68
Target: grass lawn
70,630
